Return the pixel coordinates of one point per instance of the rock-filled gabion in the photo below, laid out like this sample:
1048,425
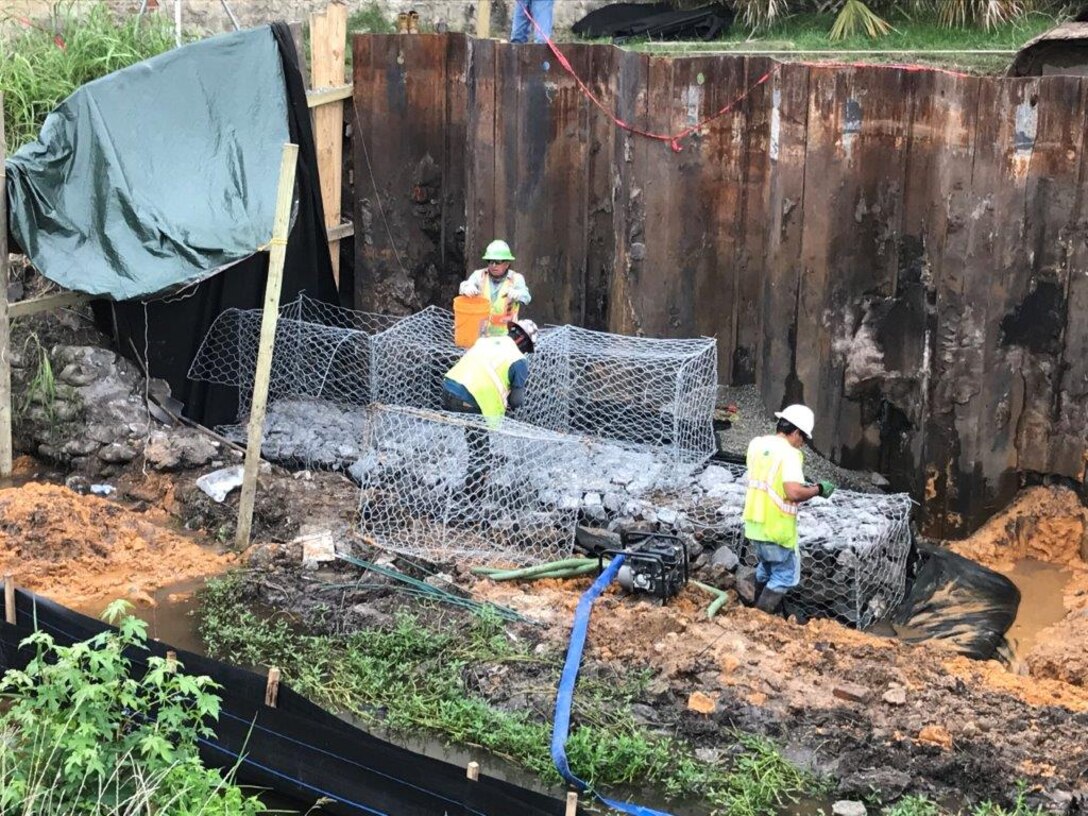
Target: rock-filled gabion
449,486
854,546
656,394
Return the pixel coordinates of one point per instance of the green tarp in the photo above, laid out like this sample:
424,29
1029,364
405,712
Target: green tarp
158,175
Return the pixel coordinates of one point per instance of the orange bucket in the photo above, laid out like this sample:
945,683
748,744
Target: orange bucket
470,316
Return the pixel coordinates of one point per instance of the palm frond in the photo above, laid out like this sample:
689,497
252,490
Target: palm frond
856,17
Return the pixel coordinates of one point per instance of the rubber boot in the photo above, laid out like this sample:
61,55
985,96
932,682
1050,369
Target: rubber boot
413,22
769,601
402,23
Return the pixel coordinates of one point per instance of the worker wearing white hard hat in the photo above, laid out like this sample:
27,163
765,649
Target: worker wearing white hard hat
776,487
504,288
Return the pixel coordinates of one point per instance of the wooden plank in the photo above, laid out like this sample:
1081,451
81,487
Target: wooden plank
45,303
1036,325
366,89
269,318
786,151
483,19
753,237
600,235
5,325
328,39
455,162
327,95
480,150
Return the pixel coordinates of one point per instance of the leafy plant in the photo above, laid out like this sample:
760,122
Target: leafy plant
41,64
83,734
371,19
915,805
855,17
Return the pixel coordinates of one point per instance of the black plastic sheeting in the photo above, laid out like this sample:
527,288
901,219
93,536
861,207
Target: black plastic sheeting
297,748
175,326
956,600
159,174
657,21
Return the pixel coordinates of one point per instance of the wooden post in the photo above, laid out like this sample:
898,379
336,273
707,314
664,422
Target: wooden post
5,329
272,687
269,319
473,771
483,19
328,38
171,661
9,598
572,804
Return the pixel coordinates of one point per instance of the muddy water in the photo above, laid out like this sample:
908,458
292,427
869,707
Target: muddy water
172,619
1041,585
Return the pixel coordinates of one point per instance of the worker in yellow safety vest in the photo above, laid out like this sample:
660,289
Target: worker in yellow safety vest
504,288
487,380
776,487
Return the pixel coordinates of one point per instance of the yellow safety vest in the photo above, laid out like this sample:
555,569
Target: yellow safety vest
484,371
768,514
502,312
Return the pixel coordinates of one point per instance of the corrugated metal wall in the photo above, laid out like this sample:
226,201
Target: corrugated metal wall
903,250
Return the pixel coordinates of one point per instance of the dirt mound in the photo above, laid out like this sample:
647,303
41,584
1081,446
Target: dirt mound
75,549
1047,523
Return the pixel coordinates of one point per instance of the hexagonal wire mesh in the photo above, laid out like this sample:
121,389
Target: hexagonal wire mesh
443,486
646,393
853,546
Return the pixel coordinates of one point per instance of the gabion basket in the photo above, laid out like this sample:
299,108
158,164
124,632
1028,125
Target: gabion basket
854,546
649,393
411,359
453,486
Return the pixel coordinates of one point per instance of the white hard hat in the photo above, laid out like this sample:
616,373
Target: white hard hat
800,416
529,329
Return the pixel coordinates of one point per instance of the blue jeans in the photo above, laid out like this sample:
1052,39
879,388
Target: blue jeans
541,10
779,567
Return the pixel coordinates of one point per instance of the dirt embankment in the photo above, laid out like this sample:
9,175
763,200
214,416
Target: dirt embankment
1048,524
80,548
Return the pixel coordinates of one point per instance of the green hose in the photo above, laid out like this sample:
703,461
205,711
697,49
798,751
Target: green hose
720,598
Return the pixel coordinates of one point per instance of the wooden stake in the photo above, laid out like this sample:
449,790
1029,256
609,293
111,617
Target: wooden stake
171,661
9,598
483,19
278,250
272,687
328,39
5,329
572,804
473,771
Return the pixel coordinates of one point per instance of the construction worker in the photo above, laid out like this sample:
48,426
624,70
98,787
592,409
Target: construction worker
504,288
776,487
487,380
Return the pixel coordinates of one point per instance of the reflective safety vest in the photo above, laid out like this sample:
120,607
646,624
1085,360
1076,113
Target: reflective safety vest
768,514
502,310
484,371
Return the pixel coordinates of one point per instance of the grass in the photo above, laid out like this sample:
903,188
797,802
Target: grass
415,677
920,805
811,33
41,64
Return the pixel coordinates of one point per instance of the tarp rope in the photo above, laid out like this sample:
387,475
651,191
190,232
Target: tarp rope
674,139
565,695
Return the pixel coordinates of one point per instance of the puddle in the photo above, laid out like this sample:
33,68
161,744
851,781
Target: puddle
1041,585
172,620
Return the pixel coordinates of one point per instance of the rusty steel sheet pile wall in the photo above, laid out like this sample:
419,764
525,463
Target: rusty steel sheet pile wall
904,250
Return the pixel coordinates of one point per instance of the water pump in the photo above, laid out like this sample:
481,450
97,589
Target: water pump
654,564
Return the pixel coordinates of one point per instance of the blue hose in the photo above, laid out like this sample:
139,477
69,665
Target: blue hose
565,695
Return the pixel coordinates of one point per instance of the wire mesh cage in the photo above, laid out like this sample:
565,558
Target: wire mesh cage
853,546
650,393
411,359
453,486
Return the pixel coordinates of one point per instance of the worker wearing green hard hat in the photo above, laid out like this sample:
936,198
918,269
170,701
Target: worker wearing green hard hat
504,288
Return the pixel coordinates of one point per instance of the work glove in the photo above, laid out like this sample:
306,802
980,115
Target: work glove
469,288
826,488
516,398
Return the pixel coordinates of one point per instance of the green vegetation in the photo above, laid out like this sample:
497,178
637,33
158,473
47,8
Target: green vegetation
415,677
42,63
924,806
79,734
369,20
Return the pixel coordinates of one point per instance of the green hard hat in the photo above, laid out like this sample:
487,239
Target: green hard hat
498,251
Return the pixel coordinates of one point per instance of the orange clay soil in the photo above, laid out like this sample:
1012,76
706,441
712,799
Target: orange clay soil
77,549
1049,524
